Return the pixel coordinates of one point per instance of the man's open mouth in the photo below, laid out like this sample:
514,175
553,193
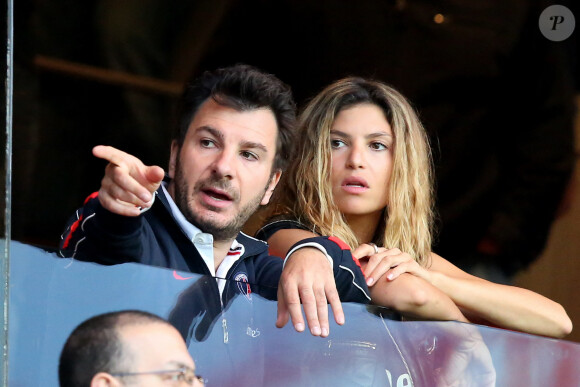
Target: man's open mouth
217,194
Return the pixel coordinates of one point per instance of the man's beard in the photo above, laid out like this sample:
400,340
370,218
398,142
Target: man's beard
220,232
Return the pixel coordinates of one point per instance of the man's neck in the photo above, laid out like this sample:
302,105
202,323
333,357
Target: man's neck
220,248
220,251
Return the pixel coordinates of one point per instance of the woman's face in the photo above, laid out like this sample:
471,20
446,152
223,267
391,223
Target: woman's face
362,144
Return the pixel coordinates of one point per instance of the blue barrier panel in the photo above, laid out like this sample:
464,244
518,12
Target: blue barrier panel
238,344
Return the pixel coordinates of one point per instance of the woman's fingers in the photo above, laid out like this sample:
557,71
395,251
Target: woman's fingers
381,263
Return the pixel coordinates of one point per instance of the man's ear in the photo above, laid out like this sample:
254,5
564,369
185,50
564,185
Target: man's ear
173,159
103,379
271,185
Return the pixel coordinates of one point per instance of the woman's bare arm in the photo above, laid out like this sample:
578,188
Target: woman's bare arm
282,240
410,295
504,306
486,302
415,298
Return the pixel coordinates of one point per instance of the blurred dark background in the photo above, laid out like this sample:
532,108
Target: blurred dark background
495,95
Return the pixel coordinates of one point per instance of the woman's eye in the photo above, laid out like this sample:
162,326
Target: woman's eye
337,143
378,146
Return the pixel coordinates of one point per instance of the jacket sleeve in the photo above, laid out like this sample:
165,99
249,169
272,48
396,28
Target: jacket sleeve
97,235
348,275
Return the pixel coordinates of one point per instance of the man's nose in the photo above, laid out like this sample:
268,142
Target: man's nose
223,165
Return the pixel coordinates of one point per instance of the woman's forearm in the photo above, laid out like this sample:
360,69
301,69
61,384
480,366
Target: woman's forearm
415,298
505,306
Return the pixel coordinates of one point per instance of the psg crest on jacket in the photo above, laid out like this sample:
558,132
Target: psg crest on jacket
243,285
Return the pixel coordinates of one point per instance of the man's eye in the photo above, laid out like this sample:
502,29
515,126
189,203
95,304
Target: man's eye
249,155
378,146
337,143
178,377
207,143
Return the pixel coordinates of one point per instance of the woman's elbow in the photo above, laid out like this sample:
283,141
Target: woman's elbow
562,324
565,325
419,297
568,328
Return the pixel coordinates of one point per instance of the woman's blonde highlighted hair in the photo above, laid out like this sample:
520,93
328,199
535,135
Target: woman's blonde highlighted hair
306,193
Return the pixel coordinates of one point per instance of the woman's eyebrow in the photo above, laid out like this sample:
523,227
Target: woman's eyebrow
339,133
379,134
371,135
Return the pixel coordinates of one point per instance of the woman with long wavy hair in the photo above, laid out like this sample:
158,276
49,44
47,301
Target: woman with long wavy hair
362,172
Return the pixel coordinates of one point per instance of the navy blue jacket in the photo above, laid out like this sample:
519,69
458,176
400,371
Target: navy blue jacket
155,238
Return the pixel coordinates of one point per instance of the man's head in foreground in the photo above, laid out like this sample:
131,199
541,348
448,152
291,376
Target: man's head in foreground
126,348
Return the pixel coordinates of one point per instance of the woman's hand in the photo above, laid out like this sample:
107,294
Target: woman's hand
390,263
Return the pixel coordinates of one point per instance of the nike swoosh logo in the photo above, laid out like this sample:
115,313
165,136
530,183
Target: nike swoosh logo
178,277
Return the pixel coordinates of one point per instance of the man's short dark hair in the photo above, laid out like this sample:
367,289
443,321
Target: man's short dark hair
242,87
96,346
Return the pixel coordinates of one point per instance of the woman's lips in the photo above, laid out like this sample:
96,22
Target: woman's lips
354,185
